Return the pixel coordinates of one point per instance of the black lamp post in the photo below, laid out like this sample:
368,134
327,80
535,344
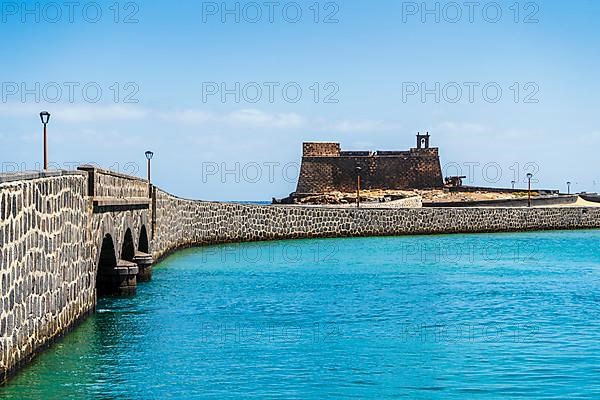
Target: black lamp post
513,184
45,117
529,176
358,171
149,156
568,187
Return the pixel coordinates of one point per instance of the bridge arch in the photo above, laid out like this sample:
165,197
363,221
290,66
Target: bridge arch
131,247
116,267
143,244
107,264
128,247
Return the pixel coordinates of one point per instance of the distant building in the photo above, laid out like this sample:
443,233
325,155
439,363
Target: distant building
326,168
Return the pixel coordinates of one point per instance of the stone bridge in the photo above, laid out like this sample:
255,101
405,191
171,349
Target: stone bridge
68,236
121,223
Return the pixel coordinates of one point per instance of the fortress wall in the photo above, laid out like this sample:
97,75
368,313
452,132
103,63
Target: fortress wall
409,170
183,223
426,169
47,276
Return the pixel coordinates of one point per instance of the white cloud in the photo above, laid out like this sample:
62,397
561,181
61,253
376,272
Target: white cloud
254,118
357,126
17,110
258,118
590,139
196,117
91,113
243,118
475,131
240,118
77,112
462,128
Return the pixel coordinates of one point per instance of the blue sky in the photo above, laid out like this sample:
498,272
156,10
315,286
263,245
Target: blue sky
366,67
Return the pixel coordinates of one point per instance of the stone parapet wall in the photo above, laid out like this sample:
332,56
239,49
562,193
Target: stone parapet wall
28,175
409,202
104,183
537,201
47,277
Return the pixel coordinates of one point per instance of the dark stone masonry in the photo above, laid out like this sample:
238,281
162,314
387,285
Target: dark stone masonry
66,237
326,168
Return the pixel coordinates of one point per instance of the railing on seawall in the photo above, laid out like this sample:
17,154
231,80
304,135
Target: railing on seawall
113,191
535,201
29,175
592,197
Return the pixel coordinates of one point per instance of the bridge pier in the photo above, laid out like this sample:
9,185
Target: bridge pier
144,262
127,277
120,281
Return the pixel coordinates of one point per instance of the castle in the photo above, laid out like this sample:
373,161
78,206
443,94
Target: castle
326,168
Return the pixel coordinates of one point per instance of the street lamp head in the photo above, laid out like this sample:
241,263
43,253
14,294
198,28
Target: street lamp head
45,117
358,170
149,155
568,183
529,175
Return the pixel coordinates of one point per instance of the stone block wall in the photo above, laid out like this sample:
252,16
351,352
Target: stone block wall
104,183
536,201
320,149
47,277
116,219
116,223
182,223
325,168
409,202
50,241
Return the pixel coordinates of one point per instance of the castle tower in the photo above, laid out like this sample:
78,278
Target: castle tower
422,141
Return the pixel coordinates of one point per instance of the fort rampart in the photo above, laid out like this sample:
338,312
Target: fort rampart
326,168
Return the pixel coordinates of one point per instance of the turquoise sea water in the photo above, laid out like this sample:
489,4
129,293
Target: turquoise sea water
437,317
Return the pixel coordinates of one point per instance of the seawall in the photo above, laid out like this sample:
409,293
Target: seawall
53,226
184,223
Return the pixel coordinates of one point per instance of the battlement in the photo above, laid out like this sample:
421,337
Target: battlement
320,149
356,154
